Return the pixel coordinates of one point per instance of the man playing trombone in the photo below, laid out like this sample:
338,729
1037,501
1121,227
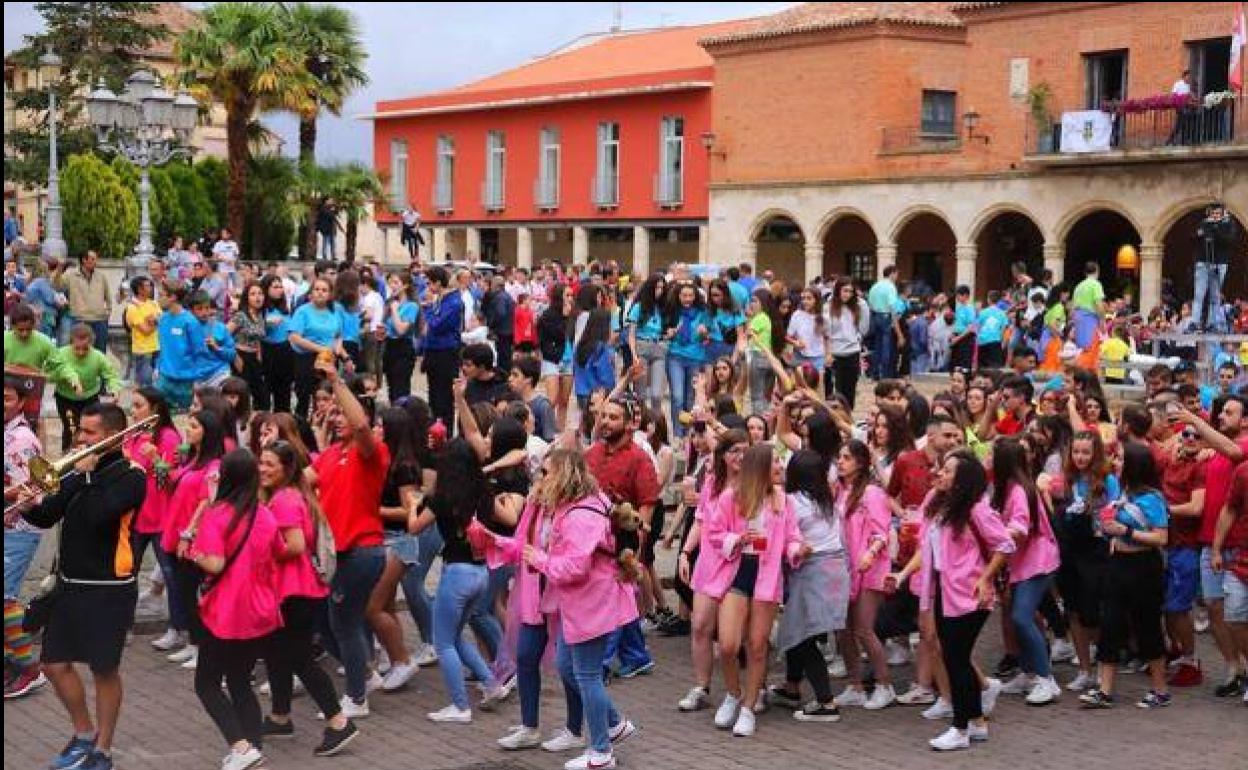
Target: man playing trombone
90,615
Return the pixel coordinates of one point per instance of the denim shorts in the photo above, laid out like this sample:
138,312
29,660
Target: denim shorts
1210,581
1182,578
746,577
1235,609
404,546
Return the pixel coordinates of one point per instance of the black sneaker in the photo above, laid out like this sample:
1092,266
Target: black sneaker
816,712
336,740
271,729
1007,668
1096,699
677,627
779,696
1233,687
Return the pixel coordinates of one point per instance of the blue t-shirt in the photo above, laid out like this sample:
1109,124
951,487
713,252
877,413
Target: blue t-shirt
687,343
318,326
724,322
992,323
1143,512
652,329
963,317
350,323
740,295
408,313
276,326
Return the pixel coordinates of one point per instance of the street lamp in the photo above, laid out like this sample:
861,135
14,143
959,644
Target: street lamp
148,126
54,242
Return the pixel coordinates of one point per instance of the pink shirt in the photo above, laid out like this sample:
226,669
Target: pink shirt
723,530
243,602
865,526
190,488
710,569
582,578
963,559
297,576
151,518
1038,553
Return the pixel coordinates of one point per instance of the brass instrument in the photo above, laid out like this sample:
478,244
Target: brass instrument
46,474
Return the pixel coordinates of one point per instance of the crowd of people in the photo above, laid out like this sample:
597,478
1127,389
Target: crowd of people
289,483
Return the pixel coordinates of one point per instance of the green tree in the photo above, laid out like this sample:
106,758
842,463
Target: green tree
215,178
94,40
101,212
271,211
329,39
196,212
354,187
242,56
165,195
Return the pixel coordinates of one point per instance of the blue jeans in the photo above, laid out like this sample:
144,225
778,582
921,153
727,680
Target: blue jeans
327,246
144,368
680,371
630,644
530,647
419,600
358,571
1034,648
485,622
1209,278
19,552
580,665
883,347
100,330
462,586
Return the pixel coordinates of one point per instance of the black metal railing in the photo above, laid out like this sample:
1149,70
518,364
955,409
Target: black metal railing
1156,128
903,139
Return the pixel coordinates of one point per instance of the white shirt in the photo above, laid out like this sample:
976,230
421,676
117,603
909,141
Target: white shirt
374,309
411,217
1181,88
226,254
802,326
823,533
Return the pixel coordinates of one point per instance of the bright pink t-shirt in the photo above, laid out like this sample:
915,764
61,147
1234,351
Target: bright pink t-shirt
297,576
1218,475
151,516
243,602
190,488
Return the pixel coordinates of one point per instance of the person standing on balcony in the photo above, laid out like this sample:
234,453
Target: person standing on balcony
1183,86
1216,239
410,235
327,227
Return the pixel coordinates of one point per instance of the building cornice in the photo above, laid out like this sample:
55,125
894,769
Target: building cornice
538,100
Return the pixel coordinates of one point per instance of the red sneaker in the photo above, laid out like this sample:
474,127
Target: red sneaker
1187,675
26,682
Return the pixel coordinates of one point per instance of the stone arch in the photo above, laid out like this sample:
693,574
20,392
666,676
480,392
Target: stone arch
983,218
912,212
837,214
1095,235
1173,213
765,218
1176,234
1061,230
926,246
1005,234
849,239
779,246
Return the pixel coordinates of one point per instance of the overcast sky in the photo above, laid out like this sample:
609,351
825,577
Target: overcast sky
415,48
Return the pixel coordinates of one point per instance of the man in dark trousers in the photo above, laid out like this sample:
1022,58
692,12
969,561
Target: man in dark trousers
500,316
94,610
1215,237
444,322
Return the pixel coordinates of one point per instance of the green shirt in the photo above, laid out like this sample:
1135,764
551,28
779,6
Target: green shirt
1055,317
36,352
760,325
883,297
93,370
1088,294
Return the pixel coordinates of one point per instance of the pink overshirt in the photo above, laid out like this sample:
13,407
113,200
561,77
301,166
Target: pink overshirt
866,525
244,603
190,488
582,578
296,576
1038,554
722,531
962,558
710,568
151,518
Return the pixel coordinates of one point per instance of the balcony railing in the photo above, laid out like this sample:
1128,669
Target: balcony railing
443,196
492,194
1160,128
605,190
913,139
546,194
669,190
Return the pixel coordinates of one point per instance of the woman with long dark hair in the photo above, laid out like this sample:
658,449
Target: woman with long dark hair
963,545
429,539
645,319
688,330
276,357
593,365
807,332
1137,525
347,306
727,325
249,328
1032,567
890,436
817,591
398,357
554,341
302,591
850,320
236,545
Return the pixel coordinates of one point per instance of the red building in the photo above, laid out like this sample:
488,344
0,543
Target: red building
598,151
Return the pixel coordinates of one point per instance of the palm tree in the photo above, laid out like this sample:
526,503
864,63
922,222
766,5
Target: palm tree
242,56
329,39
355,186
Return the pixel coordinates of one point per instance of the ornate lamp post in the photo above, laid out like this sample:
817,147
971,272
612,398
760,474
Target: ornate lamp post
147,126
54,241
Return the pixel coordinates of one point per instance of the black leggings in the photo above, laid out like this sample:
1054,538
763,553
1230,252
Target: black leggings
238,715
289,653
845,373
305,383
957,641
398,360
253,374
70,411
441,367
806,660
279,373
1134,587
187,578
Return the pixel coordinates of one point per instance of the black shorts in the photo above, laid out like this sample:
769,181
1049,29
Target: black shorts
89,625
1081,584
746,577
656,530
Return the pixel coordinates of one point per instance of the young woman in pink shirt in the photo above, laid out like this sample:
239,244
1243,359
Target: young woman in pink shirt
754,529
236,545
864,507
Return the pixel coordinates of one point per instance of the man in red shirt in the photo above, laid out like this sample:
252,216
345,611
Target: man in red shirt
1183,484
626,474
1231,538
349,476
1230,443
1017,393
912,474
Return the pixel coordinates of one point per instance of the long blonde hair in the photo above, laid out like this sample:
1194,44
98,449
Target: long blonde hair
754,483
568,480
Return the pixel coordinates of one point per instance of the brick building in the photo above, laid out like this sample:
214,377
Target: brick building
592,152
848,136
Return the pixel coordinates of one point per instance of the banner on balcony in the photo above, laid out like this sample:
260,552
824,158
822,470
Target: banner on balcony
1087,131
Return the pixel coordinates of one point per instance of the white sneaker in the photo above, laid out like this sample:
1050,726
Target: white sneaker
941,709
425,655
182,655
150,604
988,697
1062,651
398,676
375,682
978,733
850,697
1021,684
623,730
451,713
837,669
744,727
726,714
170,640
917,695
353,710
1081,682
760,703
563,740
951,740
524,738
241,761
383,662
882,697
192,662
591,760
696,699
898,655
1044,692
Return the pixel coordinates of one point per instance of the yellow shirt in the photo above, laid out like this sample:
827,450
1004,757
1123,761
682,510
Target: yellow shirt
137,313
1114,349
